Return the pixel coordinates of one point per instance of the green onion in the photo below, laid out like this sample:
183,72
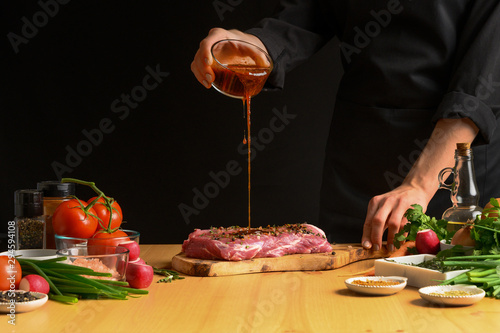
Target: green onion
67,284
112,282
466,264
481,272
63,299
480,257
485,272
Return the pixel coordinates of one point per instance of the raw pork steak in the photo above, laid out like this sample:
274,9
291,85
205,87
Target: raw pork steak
236,243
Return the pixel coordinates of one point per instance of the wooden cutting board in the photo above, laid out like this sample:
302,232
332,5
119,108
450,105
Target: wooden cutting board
342,255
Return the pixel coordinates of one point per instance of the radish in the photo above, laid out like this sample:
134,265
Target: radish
122,266
137,261
427,242
134,249
139,276
36,283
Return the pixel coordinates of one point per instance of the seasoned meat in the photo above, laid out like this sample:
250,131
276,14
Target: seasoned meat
237,243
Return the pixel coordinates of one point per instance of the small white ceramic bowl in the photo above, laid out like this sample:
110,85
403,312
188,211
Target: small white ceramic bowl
374,289
6,307
444,246
441,294
39,254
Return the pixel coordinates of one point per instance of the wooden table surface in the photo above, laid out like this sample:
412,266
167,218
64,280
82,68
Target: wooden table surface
266,302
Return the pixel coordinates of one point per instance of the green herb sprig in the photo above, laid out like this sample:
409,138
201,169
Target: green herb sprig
169,275
486,230
417,221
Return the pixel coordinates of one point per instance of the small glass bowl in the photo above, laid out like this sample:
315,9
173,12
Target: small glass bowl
64,242
100,258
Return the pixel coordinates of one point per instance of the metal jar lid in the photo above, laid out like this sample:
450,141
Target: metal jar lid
56,189
28,203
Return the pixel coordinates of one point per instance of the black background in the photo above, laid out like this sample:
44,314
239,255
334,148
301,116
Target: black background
65,78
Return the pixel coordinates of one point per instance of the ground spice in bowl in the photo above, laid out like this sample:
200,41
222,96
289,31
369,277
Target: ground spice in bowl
17,296
375,283
452,293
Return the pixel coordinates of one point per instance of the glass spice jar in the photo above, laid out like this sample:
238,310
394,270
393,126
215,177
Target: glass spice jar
54,193
29,218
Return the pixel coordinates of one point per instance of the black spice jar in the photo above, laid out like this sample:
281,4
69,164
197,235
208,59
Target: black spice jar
29,218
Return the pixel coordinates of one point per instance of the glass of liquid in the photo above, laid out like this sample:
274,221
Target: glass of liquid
240,68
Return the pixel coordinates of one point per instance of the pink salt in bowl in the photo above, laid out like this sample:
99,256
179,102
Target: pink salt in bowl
100,258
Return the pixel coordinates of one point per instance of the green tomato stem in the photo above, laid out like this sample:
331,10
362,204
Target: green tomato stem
107,200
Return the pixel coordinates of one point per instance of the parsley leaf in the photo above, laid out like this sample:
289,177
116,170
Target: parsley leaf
418,221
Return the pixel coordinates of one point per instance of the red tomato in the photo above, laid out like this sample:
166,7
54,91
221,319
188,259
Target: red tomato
9,267
109,239
70,220
103,213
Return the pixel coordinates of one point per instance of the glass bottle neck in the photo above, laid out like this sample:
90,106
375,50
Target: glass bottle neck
465,191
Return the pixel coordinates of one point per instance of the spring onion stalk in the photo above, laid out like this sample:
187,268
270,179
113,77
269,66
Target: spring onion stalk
79,290
71,271
496,292
480,257
112,282
481,272
454,280
494,283
132,290
467,264
93,283
483,279
63,299
64,282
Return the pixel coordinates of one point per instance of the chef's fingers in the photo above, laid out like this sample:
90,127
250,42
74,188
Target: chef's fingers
202,71
367,227
395,222
379,224
203,58
365,239
374,226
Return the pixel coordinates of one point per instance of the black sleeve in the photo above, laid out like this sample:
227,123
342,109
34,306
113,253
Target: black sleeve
295,33
474,90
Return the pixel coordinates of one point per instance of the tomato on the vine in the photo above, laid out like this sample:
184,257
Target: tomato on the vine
109,239
9,267
70,219
103,213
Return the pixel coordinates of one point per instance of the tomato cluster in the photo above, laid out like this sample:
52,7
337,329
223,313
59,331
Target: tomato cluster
88,219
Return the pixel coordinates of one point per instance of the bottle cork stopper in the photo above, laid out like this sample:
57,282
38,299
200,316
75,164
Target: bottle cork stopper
463,148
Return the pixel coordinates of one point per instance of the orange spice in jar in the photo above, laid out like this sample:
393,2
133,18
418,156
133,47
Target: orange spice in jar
54,193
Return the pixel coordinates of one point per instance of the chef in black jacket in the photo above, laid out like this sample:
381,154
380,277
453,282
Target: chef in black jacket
419,76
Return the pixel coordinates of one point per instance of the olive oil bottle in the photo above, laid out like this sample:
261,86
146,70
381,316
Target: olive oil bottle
464,192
